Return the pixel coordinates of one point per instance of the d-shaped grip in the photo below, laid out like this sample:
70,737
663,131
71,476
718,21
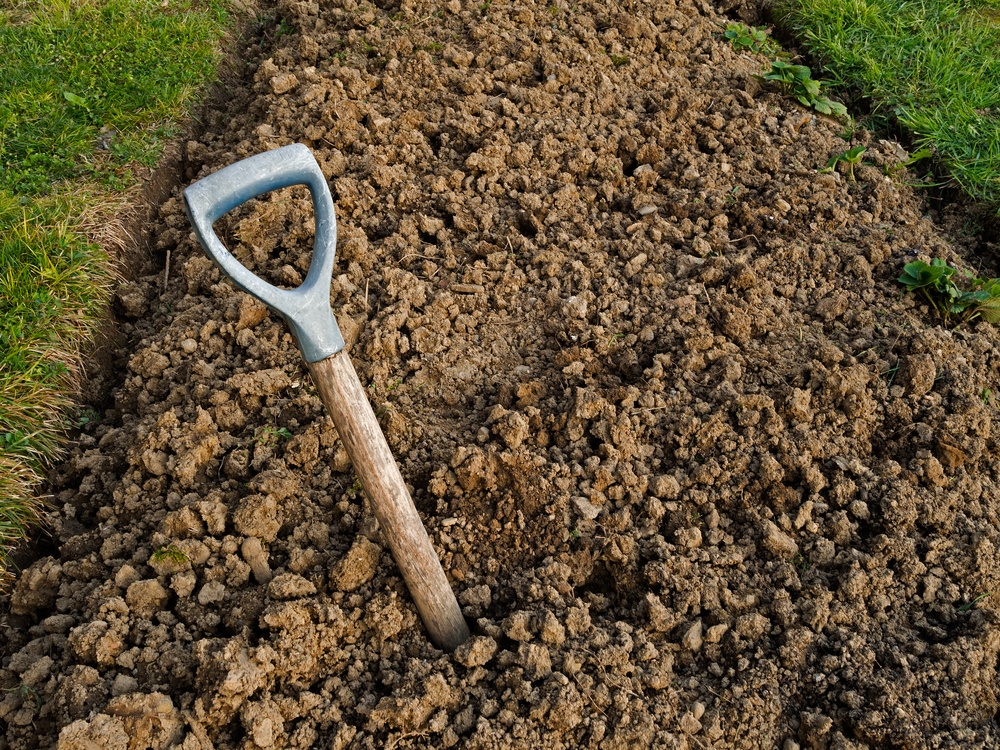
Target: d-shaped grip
306,309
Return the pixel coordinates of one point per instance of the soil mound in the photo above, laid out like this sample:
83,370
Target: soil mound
701,475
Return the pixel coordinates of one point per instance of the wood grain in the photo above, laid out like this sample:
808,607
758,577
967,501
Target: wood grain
352,414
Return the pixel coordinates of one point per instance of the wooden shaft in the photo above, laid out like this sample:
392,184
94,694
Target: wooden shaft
352,414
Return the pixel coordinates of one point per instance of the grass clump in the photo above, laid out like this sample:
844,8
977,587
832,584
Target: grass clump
930,65
89,89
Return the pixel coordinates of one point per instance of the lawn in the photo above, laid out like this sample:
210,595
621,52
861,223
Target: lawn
930,66
89,89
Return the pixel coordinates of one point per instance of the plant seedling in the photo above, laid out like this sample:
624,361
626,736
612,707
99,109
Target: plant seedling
272,435
976,298
967,607
850,157
753,39
797,81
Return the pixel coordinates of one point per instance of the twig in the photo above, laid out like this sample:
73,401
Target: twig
166,273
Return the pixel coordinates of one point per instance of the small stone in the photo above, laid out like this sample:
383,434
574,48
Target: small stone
714,634
693,638
689,724
778,542
586,508
575,307
211,592
123,685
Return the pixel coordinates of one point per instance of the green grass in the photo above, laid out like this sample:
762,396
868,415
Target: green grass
89,89
932,66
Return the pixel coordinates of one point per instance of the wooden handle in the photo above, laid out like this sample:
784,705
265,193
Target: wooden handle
347,403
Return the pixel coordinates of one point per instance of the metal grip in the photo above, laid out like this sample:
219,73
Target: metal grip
306,309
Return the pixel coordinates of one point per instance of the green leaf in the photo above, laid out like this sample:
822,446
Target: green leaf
919,274
836,108
990,310
853,155
74,99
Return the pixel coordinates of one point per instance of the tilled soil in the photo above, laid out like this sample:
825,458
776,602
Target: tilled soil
700,474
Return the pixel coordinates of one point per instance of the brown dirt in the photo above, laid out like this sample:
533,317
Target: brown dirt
701,475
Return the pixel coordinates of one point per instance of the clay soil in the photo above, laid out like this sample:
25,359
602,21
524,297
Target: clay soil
700,474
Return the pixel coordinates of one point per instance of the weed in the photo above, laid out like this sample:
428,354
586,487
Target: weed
87,416
797,81
169,554
356,487
619,60
26,692
575,533
753,39
272,435
927,66
975,298
967,607
890,375
850,157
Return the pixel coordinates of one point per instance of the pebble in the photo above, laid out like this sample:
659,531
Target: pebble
213,591
693,638
778,542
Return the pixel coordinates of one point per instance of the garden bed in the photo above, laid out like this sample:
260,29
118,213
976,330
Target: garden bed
701,475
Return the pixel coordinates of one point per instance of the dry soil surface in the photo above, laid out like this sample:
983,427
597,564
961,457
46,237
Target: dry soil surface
701,475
